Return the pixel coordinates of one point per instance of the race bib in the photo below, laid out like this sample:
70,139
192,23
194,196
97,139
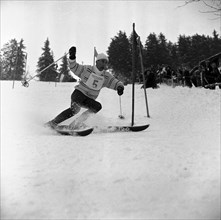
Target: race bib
95,82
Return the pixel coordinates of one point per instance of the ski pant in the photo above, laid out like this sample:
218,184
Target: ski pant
78,101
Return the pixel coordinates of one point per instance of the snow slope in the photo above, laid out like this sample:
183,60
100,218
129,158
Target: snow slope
169,171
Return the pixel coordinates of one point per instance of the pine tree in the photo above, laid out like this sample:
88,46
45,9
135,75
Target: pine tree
1,67
119,53
64,70
199,49
12,60
215,43
173,55
21,61
184,47
151,51
44,61
163,51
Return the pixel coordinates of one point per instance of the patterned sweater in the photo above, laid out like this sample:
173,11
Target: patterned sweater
92,80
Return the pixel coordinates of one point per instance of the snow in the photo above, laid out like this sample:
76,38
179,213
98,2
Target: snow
169,171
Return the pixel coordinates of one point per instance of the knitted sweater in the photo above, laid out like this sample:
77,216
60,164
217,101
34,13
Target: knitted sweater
92,80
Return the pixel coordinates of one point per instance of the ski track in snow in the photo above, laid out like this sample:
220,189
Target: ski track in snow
169,171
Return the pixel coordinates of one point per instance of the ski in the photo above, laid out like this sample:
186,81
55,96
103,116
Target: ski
129,128
65,130
124,128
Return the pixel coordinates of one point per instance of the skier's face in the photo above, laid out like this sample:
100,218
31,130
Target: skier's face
102,64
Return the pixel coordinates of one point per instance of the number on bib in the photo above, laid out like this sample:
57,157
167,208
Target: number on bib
95,82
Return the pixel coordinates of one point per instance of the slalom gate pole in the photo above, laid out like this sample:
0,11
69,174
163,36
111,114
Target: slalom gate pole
25,83
142,70
133,72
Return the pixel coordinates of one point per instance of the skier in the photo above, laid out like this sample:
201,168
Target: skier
92,80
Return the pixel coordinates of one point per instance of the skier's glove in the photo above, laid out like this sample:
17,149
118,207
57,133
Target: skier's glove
72,53
120,90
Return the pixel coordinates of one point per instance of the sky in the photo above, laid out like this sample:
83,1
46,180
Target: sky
89,24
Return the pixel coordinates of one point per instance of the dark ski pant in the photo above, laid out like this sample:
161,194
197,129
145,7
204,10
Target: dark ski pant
78,100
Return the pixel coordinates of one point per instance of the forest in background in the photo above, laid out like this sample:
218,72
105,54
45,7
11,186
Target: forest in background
187,52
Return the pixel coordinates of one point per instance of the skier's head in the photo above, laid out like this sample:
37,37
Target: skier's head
101,61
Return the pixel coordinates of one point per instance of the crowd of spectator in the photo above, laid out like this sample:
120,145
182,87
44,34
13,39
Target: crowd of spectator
207,74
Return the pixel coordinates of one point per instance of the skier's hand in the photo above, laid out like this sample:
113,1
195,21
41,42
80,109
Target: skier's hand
120,90
72,53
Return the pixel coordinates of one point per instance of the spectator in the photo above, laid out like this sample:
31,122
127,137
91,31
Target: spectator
168,72
219,65
180,76
150,79
211,74
195,74
187,77
215,73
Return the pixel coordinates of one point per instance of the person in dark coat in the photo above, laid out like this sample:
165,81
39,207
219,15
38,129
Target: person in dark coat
187,78
150,79
212,75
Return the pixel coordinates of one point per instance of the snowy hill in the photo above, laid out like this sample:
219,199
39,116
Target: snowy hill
169,171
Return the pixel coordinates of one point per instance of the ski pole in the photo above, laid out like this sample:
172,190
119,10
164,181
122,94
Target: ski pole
25,82
120,116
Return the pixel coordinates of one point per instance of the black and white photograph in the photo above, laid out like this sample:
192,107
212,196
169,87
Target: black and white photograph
110,109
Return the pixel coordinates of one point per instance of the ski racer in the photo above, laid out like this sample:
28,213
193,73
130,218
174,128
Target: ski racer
92,80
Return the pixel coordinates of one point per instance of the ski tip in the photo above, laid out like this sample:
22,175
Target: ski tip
84,132
139,127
